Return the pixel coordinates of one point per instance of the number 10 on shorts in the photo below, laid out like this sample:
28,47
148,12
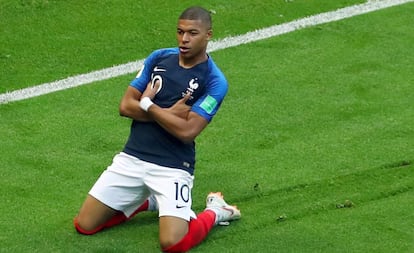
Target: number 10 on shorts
182,193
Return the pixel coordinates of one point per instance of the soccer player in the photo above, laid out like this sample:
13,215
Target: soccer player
172,99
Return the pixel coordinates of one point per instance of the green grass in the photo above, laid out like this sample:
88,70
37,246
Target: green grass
313,118
44,40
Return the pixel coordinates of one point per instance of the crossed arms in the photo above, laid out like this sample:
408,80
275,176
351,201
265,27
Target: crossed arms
178,119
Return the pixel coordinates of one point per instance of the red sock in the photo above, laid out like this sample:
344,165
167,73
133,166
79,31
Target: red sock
141,208
115,220
198,229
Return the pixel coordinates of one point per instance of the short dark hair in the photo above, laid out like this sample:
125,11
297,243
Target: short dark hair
197,13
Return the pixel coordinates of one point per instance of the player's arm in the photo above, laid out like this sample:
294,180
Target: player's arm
178,120
129,106
186,129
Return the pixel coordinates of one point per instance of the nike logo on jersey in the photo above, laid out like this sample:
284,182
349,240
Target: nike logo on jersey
178,207
157,69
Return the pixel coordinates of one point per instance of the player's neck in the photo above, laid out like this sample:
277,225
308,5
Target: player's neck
193,61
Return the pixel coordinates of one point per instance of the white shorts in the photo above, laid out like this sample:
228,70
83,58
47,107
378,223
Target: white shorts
129,181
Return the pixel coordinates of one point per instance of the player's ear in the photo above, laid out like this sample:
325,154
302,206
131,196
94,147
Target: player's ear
209,34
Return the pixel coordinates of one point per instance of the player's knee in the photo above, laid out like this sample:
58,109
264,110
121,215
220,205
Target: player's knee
82,228
167,242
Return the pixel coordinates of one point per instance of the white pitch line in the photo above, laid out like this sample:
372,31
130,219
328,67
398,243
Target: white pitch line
107,73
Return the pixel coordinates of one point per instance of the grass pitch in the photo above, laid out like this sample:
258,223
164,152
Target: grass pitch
314,120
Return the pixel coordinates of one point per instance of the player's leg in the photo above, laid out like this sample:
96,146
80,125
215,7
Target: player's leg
180,229
115,197
171,230
173,235
92,216
217,212
95,216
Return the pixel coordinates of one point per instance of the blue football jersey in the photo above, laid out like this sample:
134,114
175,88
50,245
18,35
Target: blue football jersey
150,142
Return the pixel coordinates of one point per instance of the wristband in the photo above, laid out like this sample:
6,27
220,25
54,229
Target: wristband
145,103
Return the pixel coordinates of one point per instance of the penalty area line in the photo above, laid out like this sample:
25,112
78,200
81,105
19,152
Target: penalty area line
272,31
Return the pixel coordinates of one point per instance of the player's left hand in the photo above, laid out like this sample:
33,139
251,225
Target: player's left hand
180,108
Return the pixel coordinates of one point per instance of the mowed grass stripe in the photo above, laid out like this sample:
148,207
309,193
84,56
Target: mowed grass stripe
261,34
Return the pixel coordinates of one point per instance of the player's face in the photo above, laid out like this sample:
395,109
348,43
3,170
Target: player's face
192,37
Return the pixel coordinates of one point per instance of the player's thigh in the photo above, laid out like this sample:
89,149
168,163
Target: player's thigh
93,213
172,230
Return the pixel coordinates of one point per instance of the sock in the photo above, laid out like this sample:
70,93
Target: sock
198,229
152,204
141,208
115,220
